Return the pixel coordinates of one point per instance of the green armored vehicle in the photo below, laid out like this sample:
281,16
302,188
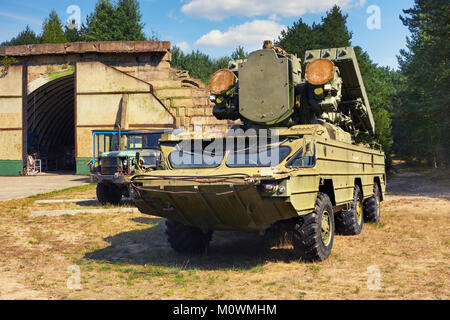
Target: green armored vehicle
293,167
117,155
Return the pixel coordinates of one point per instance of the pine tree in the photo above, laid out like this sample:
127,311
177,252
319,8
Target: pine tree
200,65
115,21
422,119
239,54
27,36
332,32
128,17
72,34
101,24
52,31
297,39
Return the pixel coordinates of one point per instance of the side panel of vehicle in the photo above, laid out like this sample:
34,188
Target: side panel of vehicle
339,167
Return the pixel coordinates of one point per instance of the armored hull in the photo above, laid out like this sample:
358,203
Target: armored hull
237,198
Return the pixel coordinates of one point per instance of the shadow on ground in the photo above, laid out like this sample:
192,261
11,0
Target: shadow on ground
85,179
95,203
228,250
418,184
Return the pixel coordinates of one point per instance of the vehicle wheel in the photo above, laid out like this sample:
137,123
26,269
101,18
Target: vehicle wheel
186,239
102,193
313,234
114,195
350,222
108,194
372,211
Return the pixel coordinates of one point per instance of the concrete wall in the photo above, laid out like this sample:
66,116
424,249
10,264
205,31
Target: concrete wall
102,95
11,120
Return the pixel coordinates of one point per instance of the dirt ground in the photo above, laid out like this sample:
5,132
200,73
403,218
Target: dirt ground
125,255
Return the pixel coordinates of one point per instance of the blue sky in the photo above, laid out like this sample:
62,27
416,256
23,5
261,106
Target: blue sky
217,27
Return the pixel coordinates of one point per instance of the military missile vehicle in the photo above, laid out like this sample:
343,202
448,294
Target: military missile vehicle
293,166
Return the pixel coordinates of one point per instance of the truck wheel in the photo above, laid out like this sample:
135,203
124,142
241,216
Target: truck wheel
313,234
186,239
102,193
114,195
372,211
108,194
350,222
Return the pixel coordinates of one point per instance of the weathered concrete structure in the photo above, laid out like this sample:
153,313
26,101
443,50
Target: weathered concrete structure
52,99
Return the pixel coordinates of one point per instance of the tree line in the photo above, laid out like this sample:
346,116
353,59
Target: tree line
410,105
110,21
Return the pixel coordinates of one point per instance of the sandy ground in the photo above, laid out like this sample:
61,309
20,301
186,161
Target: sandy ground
126,256
22,187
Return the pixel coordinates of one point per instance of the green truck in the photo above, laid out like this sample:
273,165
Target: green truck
116,155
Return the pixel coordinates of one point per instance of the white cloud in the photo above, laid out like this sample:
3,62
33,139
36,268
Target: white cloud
183,45
218,10
274,17
250,35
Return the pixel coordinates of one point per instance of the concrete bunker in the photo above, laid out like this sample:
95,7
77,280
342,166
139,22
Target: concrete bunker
57,94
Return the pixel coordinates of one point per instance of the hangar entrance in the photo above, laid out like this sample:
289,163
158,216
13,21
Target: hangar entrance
50,123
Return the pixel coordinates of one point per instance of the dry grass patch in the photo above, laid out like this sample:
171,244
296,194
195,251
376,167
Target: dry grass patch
126,256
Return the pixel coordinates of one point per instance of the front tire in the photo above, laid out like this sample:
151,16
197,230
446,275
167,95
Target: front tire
107,193
186,239
101,193
313,234
350,222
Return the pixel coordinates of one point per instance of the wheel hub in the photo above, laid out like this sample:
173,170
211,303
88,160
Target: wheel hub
326,226
359,212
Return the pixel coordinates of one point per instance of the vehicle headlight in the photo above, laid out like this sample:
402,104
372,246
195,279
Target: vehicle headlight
269,187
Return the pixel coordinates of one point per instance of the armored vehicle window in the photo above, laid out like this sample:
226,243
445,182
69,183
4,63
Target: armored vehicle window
301,162
258,157
204,156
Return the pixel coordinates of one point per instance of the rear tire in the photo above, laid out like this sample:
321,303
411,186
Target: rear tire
186,239
313,234
372,212
350,223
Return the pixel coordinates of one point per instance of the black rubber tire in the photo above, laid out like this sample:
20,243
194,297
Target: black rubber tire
108,193
347,223
307,232
114,195
101,193
372,212
186,239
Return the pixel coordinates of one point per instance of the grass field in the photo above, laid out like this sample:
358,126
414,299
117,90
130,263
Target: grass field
126,256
